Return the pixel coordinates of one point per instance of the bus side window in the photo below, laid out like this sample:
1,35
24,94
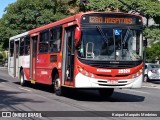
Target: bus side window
43,44
17,49
21,52
55,39
11,48
27,45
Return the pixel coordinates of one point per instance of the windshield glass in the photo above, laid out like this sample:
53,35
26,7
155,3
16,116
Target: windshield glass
155,66
110,44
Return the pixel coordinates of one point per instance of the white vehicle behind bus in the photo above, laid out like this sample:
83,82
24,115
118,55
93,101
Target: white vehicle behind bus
152,72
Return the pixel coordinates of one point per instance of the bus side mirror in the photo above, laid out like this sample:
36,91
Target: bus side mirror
77,35
145,42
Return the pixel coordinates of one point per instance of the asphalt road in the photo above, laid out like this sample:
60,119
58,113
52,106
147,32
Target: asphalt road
14,97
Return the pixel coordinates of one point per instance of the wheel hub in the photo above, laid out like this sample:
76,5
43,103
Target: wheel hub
57,84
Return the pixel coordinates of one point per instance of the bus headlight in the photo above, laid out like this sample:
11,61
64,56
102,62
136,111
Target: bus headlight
137,74
92,75
80,69
84,72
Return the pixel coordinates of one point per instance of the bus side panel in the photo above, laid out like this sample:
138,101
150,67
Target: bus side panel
11,66
24,62
17,67
44,76
43,69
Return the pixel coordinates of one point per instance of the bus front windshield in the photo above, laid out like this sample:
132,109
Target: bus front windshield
110,44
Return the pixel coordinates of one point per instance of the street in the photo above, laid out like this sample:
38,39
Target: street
14,97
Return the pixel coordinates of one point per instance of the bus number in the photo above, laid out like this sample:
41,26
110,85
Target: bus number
124,71
96,19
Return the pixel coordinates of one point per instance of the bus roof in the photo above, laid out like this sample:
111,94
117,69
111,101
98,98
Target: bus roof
73,18
18,36
66,20
59,22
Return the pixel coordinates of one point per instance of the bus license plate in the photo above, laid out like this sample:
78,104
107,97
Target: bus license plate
113,81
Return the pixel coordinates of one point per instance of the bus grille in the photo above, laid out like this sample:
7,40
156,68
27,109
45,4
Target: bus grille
111,64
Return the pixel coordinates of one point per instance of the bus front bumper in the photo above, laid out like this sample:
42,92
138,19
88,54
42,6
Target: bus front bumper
82,81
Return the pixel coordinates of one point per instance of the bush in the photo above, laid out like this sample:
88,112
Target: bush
3,57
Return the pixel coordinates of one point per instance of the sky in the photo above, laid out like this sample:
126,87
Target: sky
4,4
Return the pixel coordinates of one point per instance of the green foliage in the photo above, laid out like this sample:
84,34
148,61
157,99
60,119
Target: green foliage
101,5
3,56
24,15
153,53
150,8
153,33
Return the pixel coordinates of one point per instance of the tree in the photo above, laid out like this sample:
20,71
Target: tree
153,53
24,15
101,5
153,33
149,8
3,56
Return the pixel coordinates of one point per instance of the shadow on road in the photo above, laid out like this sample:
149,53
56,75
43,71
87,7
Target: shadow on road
155,82
9,98
1,80
89,95
93,96
37,86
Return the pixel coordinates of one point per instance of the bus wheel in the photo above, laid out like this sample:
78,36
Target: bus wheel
106,92
22,81
57,86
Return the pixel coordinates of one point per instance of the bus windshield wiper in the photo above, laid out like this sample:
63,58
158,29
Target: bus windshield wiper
126,36
102,33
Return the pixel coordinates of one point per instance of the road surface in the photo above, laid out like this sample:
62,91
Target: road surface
14,97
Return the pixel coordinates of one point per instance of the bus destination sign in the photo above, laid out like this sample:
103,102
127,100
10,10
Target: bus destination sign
111,19
94,19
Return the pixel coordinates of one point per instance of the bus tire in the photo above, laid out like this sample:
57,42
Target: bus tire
22,81
106,92
57,86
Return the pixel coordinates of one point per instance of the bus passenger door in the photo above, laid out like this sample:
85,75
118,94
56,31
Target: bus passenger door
34,40
16,60
68,57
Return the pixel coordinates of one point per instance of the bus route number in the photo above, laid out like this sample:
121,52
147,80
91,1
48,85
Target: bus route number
94,19
124,71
